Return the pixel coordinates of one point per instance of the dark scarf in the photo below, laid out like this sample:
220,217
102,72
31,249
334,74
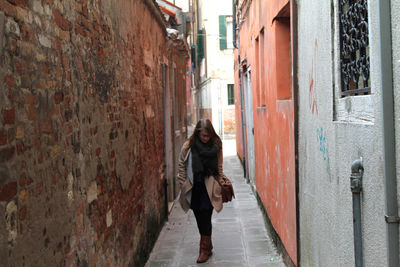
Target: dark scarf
204,160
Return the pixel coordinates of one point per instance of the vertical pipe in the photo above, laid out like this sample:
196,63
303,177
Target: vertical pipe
357,170
358,255
389,156
295,87
242,117
241,98
234,23
197,74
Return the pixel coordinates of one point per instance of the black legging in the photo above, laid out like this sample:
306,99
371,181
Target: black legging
203,219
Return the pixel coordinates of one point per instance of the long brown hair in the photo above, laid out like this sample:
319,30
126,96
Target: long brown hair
205,124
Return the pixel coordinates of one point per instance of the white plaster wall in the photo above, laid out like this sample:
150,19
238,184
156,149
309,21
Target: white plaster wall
216,105
219,103
219,62
184,4
205,95
396,84
214,95
329,142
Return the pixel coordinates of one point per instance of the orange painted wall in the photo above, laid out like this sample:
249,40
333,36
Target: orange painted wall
273,112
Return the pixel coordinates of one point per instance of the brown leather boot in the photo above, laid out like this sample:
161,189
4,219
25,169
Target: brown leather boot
211,247
205,249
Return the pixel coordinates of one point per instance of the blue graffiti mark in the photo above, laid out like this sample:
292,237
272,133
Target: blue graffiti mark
323,147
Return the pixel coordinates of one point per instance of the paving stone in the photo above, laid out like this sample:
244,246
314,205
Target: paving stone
240,237
167,263
265,261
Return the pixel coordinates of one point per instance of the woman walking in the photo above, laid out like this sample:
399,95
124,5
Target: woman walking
200,164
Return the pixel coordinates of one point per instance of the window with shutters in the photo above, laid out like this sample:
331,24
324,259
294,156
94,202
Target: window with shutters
231,94
225,32
229,32
200,45
193,56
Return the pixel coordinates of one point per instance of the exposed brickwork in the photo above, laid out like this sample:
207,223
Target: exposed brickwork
8,191
81,131
3,137
8,116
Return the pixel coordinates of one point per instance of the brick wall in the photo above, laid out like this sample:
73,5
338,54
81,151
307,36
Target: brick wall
81,132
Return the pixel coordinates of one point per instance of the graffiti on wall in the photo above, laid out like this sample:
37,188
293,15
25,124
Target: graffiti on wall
323,146
312,95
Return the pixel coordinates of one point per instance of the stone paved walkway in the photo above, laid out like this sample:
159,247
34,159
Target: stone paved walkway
239,235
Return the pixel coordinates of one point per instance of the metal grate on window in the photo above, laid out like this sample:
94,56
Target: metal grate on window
354,47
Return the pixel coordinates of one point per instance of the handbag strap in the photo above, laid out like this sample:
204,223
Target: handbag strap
219,181
216,179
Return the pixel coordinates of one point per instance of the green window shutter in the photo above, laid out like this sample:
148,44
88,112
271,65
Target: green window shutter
222,32
231,94
200,45
193,55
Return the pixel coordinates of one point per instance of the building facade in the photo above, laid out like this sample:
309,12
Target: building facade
176,85
341,120
87,94
265,112
317,90
213,64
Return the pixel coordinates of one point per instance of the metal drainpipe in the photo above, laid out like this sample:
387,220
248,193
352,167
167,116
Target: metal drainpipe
357,170
197,74
243,124
389,154
241,94
234,23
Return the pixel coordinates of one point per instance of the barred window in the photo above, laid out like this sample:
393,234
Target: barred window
354,47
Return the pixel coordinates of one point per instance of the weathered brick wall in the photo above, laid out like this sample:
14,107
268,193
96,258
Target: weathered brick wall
81,133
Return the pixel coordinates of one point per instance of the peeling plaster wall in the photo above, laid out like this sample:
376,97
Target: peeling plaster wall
262,42
333,133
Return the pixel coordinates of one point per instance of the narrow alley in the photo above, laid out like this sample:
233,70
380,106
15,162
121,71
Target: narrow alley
99,99
239,234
